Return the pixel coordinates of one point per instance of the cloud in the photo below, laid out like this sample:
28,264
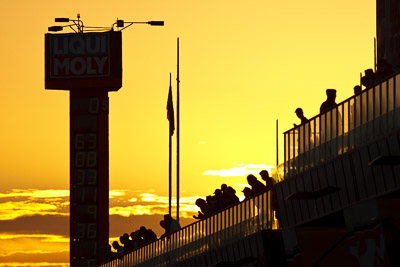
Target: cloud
35,193
151,204
239,170
34,224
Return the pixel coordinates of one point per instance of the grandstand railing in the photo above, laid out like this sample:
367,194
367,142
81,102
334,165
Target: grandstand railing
224,227
361,118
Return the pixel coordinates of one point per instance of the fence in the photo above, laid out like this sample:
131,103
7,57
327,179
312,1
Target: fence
229,225
361,118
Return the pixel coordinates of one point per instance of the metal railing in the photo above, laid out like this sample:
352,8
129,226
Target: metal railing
224,227
361,118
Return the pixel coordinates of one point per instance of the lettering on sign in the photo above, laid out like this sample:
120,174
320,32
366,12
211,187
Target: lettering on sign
79,55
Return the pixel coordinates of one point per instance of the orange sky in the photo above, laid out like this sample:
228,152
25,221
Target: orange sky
244,64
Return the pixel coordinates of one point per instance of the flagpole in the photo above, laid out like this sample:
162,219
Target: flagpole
170,163
177,134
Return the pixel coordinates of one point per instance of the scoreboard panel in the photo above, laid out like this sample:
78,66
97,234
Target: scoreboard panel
89,181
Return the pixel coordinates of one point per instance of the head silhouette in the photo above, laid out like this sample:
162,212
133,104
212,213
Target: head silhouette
357,89
264,174
299,112
331,94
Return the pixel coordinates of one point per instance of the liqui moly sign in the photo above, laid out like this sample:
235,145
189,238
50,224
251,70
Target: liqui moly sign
83,60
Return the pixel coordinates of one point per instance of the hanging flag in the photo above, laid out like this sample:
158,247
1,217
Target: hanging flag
170,110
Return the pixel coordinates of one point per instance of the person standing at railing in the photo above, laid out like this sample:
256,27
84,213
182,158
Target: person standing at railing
330,123
300,115
269,182
270,186
118,248
256,186
228,196
330,101
170,225
304,137
355,109
247,193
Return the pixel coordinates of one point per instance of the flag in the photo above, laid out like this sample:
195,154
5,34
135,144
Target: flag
170,110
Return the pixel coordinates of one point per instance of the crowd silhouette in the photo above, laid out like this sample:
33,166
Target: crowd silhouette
222,198
137,239
226,195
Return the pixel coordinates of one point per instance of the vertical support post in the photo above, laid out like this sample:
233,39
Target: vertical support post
177,134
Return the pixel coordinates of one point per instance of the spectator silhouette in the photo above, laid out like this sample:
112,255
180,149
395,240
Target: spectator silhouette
170,225
330,101
269,182
300,115
369,78
256,186
357,90
137,241
149,236
228,195
355,109
246,192
118,248
108,254
126,242
204,209
165,226
218,199
211,203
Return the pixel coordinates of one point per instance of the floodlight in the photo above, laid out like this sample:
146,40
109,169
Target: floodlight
156,23
61,19
55,28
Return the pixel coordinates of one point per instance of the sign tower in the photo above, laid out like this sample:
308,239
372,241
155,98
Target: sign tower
88,65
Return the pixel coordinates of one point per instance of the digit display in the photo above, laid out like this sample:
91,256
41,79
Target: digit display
89,176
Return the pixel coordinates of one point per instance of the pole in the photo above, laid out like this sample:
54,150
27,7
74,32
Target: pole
277,146
374,54
170,163
177,134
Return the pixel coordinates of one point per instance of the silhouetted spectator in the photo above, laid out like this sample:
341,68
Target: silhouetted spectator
256,186
246,192
211,204
136,240
330,101
107,253
126,242
170,225
118,248
269,182
165,226
174,225
218,199
228,195
204,209
300,115
369,78
357,90
149,236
